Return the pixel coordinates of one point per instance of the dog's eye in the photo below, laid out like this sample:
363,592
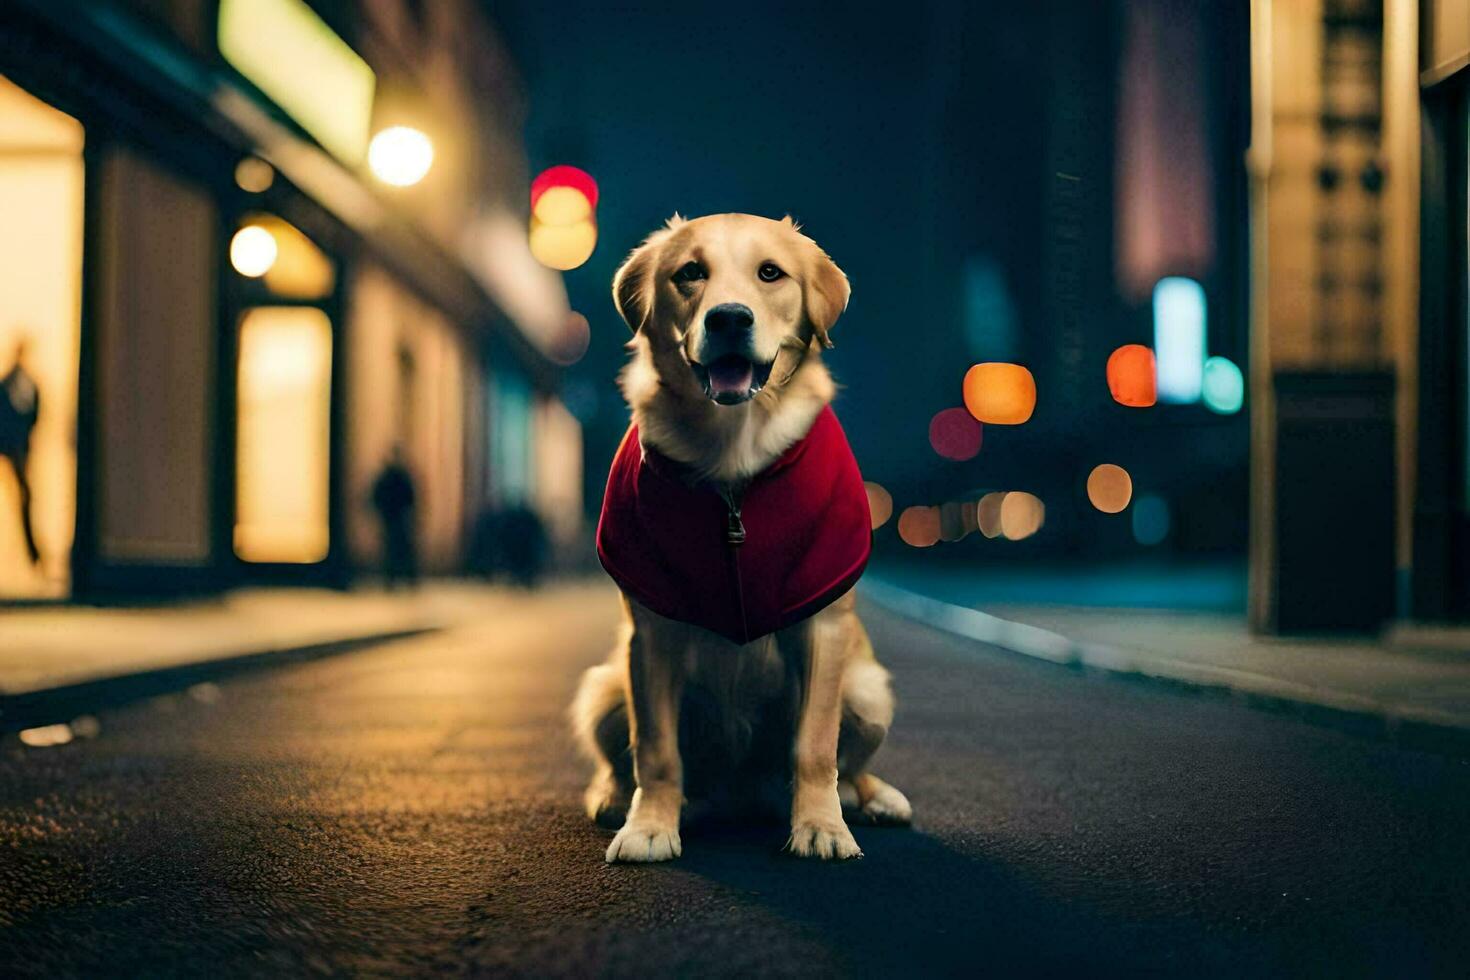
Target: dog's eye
689,272
769,272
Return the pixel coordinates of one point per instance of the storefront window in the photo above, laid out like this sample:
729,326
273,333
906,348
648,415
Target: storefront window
40,289
282,448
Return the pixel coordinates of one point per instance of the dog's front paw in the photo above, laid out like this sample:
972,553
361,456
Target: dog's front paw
644,842
827,841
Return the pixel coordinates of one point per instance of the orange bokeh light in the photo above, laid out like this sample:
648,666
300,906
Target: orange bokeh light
919,526
880,504
1021,515
1110,488
987,513
1133,376
1000,394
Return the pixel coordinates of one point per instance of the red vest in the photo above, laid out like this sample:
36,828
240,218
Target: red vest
795,540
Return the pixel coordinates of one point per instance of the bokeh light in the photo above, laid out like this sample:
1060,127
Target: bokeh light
880,504
572,178
300,270
956,519
1150,519
999,393
919,526
1179,338
969,516
571,343
1223,388
563,247
562,206
46,736
955,434
1021,515
1109,487
253,251
254,175
401,156
987,514
1132,376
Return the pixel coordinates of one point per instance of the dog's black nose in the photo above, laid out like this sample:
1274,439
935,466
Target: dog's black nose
728,318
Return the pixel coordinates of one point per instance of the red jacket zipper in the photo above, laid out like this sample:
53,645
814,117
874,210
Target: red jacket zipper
734,538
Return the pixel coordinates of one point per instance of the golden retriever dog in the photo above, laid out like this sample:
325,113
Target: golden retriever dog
730,314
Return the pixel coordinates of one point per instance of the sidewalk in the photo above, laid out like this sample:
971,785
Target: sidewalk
1411,682
43,648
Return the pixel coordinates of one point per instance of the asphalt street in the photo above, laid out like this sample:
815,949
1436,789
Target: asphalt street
414,808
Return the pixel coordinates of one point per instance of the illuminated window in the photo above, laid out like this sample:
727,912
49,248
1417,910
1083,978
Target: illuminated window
558,476
41,178
291,55
1179,339
510,450
298,269
282,447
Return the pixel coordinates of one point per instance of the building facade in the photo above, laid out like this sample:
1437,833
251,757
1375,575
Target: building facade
1359,328
231,324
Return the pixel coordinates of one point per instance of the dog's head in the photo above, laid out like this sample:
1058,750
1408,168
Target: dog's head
729,292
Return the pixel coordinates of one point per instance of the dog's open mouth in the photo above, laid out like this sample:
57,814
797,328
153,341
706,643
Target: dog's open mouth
732,379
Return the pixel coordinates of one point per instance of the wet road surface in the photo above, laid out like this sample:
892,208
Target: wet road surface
414,808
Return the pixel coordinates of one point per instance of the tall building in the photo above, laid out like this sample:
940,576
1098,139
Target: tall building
1359,377
236,290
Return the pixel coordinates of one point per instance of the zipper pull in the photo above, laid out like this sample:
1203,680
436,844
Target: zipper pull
734,527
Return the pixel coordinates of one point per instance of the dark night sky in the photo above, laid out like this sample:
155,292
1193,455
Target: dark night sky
911,140
863,122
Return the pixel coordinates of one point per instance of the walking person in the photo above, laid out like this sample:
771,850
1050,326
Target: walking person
394,500
20,407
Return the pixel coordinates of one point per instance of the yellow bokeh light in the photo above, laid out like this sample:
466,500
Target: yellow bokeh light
562,206
1109,487
880,504
562,247
400,155
254,175
253,251
919,526
987,514
1000,394
1021,515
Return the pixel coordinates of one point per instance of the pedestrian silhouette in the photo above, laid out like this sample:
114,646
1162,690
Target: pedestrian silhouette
393,498
20,406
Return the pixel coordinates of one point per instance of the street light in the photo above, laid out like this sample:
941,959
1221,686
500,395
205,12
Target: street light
400,155
253,251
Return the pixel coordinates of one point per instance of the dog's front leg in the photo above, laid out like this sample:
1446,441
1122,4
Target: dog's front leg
655,686
819,647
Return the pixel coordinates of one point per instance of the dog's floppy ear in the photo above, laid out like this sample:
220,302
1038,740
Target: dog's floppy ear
632,291
826,293
632,285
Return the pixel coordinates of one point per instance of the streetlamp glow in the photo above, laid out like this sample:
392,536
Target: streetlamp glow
253,251
400,155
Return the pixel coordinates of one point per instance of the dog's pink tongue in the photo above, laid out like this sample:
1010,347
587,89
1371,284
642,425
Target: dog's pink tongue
731,376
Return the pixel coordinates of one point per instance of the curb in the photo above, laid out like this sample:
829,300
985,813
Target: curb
54,705
1400,723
